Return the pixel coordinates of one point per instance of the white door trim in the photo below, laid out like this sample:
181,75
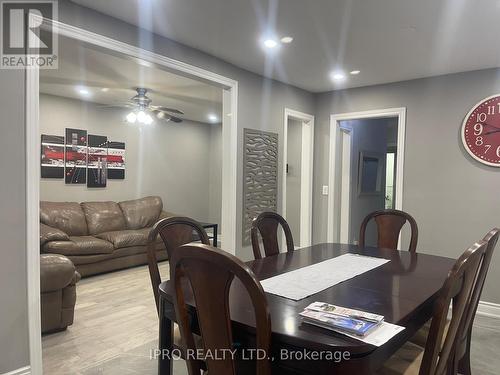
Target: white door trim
346,135
229,160
333,164
306,175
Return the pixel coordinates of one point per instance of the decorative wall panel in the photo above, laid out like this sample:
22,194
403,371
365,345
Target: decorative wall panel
260,176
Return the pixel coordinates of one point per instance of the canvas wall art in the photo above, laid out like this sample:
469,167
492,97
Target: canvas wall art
116,160
97,165
52,156
76,156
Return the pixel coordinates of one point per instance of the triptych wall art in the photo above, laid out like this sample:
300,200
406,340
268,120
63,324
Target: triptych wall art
82,158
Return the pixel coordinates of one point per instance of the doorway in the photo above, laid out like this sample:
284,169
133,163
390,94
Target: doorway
298,138
366,169
229,150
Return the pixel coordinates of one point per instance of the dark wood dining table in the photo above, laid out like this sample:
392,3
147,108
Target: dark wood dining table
403,290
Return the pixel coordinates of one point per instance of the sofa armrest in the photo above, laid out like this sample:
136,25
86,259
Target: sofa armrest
48,234
56,272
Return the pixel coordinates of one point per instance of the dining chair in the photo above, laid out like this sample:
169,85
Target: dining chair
174,232
210,273
389,225
463,349
267,225
438,357
464,339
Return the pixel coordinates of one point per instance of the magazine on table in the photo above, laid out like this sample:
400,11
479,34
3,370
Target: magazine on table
361,325
327,308
339,323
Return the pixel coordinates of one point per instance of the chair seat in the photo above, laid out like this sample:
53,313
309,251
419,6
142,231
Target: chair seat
406,361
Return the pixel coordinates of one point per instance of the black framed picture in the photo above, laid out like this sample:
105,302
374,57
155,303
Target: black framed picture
52,156
97,164
76,156
116,160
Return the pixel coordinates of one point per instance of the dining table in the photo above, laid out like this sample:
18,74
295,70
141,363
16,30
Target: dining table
403,290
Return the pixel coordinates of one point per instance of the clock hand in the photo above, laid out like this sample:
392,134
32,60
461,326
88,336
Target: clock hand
493,131
491,126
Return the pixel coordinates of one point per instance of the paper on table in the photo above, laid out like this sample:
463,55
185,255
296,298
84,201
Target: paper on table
306,281
378,337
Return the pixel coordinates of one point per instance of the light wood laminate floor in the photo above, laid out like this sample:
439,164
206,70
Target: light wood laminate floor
116,327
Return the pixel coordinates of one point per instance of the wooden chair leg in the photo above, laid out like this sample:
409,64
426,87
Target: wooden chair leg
165,344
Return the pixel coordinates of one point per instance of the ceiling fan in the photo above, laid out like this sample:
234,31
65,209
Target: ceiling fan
143,110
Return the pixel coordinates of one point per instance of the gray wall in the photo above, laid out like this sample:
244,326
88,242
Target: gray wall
454,199
13,292
261,104
294,158
166,159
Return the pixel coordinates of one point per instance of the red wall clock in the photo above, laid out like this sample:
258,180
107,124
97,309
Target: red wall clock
481,131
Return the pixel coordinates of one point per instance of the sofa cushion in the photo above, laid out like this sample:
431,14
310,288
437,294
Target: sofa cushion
126,238
81,245
65,216
141,213
103,217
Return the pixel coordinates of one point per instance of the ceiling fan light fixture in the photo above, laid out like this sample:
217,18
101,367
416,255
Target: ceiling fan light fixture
131,117
148,120
141,116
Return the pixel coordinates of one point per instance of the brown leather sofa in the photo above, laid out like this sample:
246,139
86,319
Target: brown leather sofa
58,279
100,237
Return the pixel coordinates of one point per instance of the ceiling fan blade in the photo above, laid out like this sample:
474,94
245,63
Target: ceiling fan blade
122,105
165,116
174,119
166,109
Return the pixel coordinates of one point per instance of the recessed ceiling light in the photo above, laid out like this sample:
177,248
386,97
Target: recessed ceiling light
287,39
270,43
337,76
105,89
212,117
355,72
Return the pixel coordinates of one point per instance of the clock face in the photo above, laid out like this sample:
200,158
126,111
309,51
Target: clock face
481,131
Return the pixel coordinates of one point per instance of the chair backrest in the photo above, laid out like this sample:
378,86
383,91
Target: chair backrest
210,272
389,225
174,231
491,239
267,225
441,344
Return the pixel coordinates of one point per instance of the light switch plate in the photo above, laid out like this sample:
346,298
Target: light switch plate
325,189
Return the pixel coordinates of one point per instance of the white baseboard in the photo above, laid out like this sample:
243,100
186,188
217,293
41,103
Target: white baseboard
489,309
20,371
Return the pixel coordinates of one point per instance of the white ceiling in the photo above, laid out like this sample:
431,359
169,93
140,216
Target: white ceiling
388,40
81,66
